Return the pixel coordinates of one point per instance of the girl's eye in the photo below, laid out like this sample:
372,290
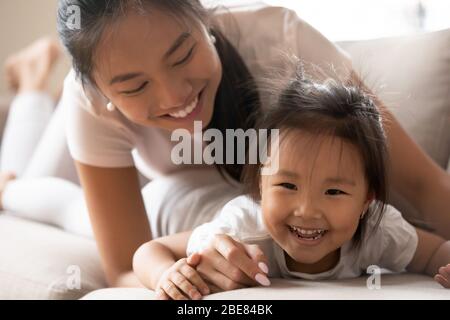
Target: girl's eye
288,185
136,90
186,58
335,192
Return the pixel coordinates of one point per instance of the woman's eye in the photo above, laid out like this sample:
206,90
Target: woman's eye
136,90
186,58
288,185
334,192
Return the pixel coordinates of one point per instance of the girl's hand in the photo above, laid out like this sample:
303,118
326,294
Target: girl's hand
182,282
228,264
443,277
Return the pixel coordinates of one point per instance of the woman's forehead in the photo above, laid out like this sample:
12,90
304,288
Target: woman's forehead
138,39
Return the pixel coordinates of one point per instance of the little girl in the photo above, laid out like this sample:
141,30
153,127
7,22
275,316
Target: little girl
322,215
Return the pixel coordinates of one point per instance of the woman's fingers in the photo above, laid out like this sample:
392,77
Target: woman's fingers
218,282
193,276
236,253
219,263
183,283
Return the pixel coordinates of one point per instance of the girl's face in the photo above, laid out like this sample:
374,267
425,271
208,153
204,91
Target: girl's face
159,71
313,204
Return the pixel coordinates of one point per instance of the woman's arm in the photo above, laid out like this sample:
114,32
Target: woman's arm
414,175
118,218
432,253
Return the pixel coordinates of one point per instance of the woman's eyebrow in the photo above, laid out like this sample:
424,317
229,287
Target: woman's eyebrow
128,76
125,77
180,40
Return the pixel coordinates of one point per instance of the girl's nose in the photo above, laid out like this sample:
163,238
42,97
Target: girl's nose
307,208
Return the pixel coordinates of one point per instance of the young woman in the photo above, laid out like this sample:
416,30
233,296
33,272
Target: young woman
145,68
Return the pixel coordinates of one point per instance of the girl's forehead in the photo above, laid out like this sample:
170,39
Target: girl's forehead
327,155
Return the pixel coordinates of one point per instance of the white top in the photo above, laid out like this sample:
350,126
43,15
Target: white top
391,246
101,138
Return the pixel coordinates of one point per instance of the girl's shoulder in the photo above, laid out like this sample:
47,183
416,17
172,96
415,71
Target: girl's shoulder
391,243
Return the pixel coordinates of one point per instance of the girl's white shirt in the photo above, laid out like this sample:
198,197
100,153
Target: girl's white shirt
261,35
389,246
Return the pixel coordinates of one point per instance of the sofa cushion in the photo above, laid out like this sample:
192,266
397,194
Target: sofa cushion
392,286
41,262
411,74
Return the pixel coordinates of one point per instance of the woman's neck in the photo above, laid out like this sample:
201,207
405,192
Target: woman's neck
326,263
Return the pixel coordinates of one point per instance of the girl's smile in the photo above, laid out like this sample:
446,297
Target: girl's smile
313,204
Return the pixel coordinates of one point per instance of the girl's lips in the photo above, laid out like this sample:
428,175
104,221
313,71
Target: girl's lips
304,241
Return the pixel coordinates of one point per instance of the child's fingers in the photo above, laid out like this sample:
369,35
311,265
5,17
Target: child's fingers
183,283
192,275
445,271
172,291
442,281
194,259
161,295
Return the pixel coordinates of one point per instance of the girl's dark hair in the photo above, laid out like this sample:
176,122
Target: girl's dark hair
237,98
329,107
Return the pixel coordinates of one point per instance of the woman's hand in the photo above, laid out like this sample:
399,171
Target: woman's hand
181,281
443,277
228,264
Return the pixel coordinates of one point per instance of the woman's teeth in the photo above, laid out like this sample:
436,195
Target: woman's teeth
308,234
188,110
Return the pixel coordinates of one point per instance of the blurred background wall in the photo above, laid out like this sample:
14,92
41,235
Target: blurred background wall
22,21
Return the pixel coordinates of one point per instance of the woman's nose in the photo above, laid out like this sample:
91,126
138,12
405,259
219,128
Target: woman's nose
174,94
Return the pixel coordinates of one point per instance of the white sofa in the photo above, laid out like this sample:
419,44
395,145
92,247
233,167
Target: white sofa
41,262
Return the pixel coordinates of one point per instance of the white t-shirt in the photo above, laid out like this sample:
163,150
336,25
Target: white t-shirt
391,246
101,138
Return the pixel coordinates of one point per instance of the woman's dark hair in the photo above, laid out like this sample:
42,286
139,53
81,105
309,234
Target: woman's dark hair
329,107
237,98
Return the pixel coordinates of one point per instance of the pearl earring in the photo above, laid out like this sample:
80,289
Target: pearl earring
110,106
213,39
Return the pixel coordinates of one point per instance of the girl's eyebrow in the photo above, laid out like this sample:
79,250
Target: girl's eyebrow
332,180
287,173
340,180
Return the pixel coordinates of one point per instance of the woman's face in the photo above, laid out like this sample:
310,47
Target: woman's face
159,71
313,204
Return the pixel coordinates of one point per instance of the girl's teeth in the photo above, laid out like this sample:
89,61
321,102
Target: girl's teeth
308,234
184,113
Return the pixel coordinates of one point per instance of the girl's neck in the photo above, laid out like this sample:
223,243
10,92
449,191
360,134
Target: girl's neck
326,263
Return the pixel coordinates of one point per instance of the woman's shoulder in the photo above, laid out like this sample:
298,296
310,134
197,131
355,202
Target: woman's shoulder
263,34
85,97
